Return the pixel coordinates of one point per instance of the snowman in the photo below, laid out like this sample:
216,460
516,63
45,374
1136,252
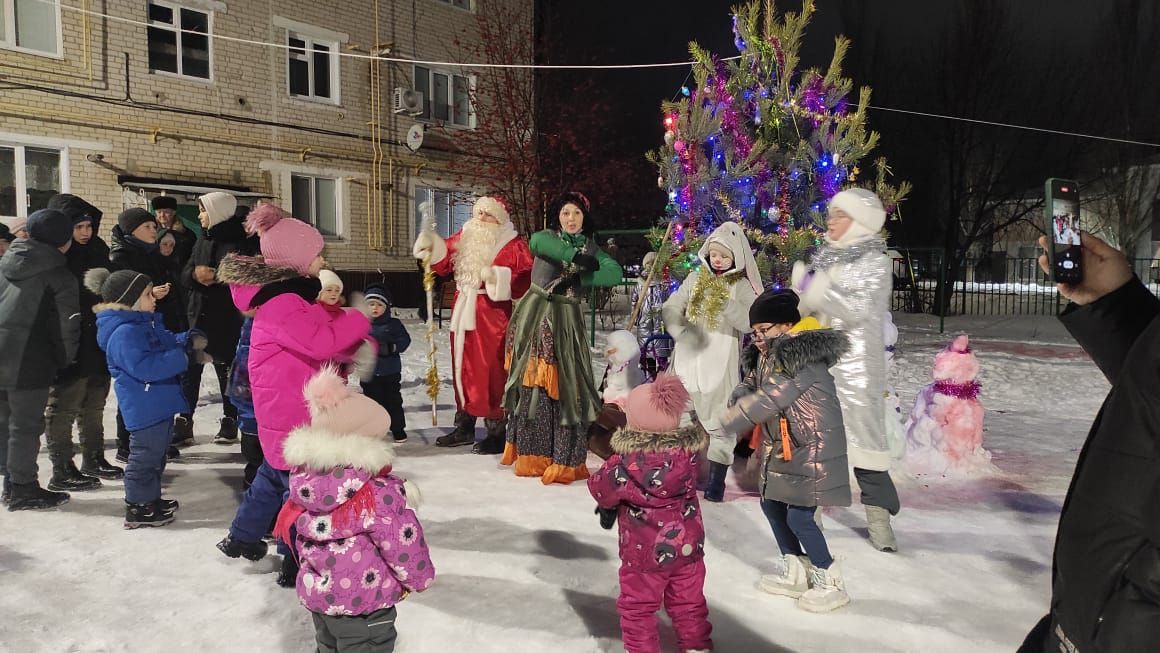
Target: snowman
944,434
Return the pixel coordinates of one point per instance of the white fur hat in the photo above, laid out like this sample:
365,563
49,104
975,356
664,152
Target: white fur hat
493,206
862,206
329,278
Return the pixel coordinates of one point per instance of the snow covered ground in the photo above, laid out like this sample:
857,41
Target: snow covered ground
523,567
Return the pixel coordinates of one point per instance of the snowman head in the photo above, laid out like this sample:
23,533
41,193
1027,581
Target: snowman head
956,363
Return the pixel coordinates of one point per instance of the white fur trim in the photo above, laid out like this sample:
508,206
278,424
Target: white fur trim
321,450
499,289
438,247
863,207
879,461
492,206
414,496
366,357
813,297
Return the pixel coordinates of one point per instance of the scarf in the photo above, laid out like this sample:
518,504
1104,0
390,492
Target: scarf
968,390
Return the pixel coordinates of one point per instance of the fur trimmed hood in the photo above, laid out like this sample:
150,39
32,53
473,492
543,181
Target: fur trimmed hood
750,359
251,271
826,346
321,450
689,438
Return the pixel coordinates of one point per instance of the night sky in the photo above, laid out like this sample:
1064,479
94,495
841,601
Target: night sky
898,48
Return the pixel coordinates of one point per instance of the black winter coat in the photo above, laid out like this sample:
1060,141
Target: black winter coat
211,308
128,253
40,321
90,359
1106,572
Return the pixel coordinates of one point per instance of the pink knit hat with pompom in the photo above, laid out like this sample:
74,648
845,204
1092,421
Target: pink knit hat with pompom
338,410
657,407
263,217
291,243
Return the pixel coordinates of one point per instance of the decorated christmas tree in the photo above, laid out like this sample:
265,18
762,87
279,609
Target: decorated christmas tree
760,143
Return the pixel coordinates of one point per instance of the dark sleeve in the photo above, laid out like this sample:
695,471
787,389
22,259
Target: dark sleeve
1108,327
399,334
66,294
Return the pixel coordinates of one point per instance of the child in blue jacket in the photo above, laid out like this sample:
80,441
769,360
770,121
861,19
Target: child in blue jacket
146,362
393,340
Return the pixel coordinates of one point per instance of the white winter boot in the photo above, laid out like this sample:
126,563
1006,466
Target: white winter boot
792,582
881,534
827,590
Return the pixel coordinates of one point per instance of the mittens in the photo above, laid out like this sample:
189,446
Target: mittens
607,517
196,341
586,262
365,360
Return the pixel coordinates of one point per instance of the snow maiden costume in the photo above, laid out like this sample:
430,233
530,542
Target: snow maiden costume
707,317
551,394
847,286
492,268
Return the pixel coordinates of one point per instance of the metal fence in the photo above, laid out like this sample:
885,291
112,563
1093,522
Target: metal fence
993,285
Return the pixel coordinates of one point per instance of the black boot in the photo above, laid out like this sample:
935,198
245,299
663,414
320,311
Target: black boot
496,438
463,434
138,515
67,478
228,433
30,496
96,465
6,495
288,576
172,454
182,431
715,489
167,505
122,456
234,548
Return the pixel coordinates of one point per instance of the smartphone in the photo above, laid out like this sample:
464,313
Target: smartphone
1063,227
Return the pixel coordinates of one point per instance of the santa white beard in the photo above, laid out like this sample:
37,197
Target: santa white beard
475,251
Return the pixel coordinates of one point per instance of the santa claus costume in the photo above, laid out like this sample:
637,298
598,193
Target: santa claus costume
551,393
492,266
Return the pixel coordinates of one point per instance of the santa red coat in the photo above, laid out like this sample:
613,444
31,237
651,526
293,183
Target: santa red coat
479,323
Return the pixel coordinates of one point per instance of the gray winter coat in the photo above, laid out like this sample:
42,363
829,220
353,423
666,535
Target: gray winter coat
794,379
40,320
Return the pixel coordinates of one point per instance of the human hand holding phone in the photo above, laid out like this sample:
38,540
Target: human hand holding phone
1105,269
159,292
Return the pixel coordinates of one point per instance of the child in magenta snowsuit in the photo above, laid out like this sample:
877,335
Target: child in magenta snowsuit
290,340
651,480
361,548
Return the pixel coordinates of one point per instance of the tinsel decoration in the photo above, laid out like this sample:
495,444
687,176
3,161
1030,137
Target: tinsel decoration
710,294
427,210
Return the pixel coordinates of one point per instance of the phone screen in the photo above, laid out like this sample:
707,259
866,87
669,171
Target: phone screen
1063,216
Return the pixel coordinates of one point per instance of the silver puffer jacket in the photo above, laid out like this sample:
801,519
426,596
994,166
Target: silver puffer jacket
793,379
853,302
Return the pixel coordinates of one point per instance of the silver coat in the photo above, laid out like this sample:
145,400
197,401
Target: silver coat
854,300
793,380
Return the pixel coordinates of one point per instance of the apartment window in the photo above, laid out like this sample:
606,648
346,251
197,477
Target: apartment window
446,96
452,209
315,200
179,40
462,4
313,67
31,25
29,176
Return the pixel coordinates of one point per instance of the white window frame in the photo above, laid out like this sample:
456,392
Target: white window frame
22,175
450,122
176,7
335,67
422,185
8,37
469,8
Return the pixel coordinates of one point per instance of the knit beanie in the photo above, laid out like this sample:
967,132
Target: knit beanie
264,217
291,243
50,227
493,206
775,307
6,233
122,287
130,219
863,207
377,293
329,278
657,407
338,410
218,206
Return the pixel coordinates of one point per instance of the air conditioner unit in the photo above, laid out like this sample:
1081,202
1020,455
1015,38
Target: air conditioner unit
408,101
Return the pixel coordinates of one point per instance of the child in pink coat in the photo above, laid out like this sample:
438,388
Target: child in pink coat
360,547
292,337
651,480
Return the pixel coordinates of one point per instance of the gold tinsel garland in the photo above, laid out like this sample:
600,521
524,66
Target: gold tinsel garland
432,369
710,294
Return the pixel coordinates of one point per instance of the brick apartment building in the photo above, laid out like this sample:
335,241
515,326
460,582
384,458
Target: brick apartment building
121,100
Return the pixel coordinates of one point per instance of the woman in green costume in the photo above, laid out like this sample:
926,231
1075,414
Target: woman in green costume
551,396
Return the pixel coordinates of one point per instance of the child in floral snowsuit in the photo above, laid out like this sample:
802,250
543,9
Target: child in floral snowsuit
361,549
651,482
